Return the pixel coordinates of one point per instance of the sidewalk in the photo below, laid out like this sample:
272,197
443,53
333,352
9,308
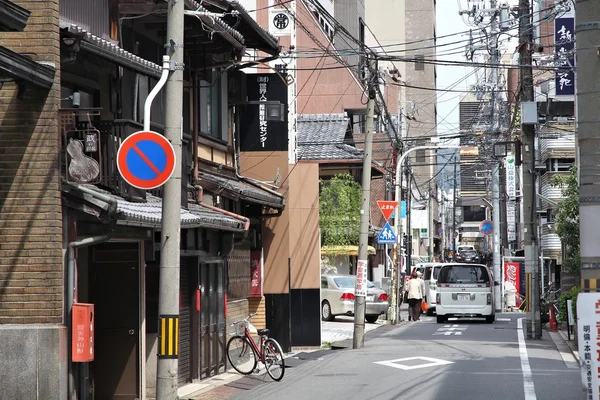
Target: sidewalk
227,384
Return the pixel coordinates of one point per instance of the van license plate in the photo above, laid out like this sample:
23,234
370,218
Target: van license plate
463,297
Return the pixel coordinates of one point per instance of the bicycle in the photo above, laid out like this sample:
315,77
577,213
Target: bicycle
244,353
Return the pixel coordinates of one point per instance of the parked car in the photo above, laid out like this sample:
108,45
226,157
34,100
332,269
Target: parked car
337,298
430,277
468,256
465,290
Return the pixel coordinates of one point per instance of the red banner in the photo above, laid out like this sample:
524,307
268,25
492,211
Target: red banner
256,270
512,274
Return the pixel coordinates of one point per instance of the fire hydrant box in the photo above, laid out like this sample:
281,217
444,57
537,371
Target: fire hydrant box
82,332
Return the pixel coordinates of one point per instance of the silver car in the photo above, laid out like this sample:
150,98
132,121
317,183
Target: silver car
337,298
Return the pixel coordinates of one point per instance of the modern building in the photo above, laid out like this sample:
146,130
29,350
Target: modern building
413,38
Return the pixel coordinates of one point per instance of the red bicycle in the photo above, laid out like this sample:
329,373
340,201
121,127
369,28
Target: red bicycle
244,353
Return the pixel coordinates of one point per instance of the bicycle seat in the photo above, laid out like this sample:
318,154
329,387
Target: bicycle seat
263,332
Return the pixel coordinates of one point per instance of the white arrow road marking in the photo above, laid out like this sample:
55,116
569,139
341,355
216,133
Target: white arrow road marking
448,330
430,362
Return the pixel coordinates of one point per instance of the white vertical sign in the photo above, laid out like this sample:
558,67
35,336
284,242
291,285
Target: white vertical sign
588,332
511,180
360,288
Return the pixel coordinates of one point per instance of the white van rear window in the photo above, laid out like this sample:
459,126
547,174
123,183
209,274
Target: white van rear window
463,274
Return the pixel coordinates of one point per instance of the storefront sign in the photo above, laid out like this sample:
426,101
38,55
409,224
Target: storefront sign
564,39
511,177
512,274
256,270
257,132
588,328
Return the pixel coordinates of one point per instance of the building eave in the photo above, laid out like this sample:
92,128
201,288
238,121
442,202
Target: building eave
21,69
12,16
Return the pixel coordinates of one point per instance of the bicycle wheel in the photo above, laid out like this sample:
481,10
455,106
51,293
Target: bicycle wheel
241,355
273,359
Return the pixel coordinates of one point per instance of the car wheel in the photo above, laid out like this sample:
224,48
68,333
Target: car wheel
441,319
371,318
326,311
429,312
490,319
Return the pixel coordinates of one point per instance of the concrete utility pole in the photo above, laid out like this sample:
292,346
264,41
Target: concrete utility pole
168,295
534,328
496,234
587,15
358,338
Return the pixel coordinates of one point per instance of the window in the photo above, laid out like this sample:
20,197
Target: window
559,164
473,213
419,62
212,108
420,156
463,274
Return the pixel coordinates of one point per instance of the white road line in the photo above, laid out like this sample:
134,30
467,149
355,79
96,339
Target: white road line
503,319
528,387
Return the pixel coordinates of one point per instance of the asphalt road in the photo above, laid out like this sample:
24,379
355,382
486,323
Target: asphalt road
458,360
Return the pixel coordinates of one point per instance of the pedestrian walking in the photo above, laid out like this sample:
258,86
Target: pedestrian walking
416,293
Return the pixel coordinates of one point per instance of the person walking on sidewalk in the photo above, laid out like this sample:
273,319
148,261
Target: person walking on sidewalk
416,292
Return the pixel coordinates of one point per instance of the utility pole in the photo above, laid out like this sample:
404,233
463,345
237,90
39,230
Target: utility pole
358,338
454,211
588,37
168,295
528,152
496,234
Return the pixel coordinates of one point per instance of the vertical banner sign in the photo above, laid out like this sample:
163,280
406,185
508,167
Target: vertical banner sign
511,274
256,270
588,332
361,278
564,47
511,192
258,133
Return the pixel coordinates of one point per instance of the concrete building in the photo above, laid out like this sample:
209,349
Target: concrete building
407,29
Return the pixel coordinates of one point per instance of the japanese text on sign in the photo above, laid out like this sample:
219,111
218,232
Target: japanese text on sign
565,55
262,109
588,321
360,288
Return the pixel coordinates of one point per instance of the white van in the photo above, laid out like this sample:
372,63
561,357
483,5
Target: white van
430,276
465,290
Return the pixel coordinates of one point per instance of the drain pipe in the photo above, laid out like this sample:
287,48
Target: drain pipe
154,92
71,246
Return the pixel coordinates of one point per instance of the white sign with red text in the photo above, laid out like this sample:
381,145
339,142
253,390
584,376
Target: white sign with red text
360,288
588,332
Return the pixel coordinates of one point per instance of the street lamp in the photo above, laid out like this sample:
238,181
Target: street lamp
397,222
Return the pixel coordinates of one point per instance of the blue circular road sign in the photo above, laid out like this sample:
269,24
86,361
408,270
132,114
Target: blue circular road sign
486,227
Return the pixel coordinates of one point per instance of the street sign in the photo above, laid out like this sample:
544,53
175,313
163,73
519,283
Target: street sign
146,160
486,227
387,208
387,235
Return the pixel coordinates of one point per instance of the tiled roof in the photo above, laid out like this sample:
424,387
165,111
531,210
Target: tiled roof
149,213
241,189
321,137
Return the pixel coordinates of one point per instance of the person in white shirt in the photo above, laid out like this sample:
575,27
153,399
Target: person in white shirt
416,293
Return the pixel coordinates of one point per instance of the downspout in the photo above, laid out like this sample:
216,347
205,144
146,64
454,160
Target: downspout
71,246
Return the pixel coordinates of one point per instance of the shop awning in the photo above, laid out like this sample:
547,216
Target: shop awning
23,70
345,250
149,213
235,189
12,16
108,50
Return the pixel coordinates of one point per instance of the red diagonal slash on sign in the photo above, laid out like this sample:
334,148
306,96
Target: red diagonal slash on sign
146,160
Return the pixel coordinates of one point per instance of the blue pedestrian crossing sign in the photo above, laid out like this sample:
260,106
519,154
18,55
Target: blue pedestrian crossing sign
387,235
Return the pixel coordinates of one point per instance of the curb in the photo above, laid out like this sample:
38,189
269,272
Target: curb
571,344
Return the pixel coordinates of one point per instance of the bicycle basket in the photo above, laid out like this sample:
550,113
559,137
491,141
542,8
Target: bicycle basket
240,327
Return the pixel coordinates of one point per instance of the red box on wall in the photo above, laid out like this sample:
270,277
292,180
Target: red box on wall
82,332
